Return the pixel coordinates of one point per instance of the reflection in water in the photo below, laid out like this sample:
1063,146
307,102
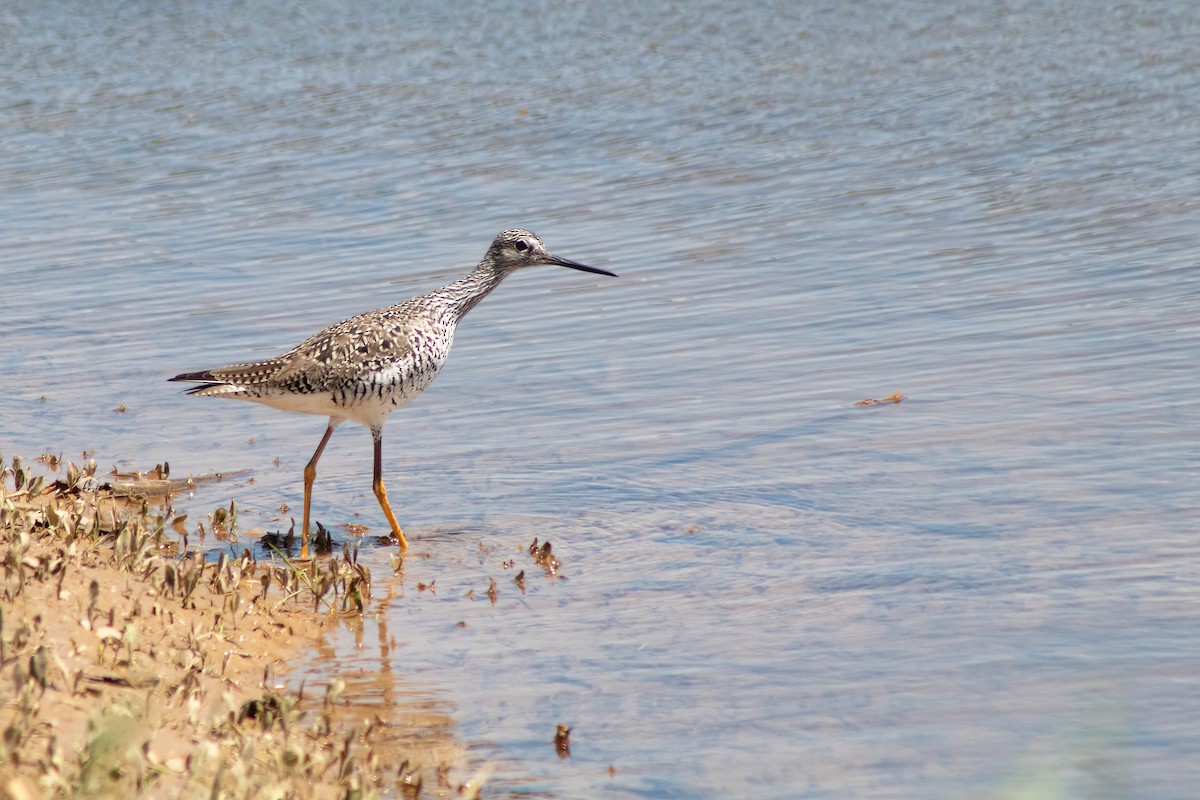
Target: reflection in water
410,728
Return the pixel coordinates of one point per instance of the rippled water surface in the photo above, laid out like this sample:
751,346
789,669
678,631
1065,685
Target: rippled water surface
991,589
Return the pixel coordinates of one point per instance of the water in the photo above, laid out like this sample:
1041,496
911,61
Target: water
988,590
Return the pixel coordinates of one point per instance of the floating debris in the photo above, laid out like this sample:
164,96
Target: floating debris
562,741
50,460
157,486
544,556
893,399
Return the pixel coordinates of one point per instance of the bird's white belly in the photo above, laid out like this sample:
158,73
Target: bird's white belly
367,398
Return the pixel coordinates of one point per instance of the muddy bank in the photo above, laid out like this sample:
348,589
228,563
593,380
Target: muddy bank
129,665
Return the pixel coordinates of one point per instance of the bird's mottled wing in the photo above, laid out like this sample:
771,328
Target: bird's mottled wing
343,352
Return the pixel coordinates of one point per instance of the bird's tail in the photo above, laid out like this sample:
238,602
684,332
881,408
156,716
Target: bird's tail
230,381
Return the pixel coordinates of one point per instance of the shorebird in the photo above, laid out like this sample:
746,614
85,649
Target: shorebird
365,367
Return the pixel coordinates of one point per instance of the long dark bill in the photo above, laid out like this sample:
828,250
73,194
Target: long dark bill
566,262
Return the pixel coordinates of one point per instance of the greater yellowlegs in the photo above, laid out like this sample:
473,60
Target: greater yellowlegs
365,367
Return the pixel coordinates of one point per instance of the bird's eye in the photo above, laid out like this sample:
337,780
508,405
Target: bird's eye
521,246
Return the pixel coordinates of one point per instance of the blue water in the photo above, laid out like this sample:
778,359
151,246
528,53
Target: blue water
989,589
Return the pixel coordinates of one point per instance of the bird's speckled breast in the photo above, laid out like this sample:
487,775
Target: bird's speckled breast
391,367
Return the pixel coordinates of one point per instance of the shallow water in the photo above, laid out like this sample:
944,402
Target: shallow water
989,589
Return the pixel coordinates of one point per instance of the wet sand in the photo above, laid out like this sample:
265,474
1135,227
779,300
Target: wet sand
131,667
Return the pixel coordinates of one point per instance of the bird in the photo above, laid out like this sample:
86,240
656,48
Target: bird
367,366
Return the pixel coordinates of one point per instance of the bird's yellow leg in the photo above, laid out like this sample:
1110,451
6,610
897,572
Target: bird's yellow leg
381,493
310,475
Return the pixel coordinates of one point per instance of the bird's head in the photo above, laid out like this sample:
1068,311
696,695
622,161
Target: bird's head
516,248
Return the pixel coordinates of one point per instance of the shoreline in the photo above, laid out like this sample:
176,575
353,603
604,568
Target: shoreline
133,669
